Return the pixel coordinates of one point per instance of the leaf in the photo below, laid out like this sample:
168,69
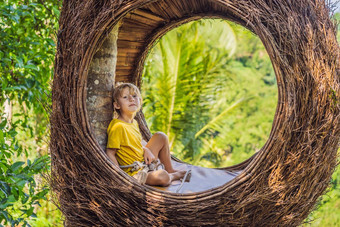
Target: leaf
40,163
5,214
5,188
15,193
4,205
16,18
21,183
30,211
30,83
13,133
3,123
218,117
11,199
16,88
33,67
4,166
16,166
2,139
56,11
20,62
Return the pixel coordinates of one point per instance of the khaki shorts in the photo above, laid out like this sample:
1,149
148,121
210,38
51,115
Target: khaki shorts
142,175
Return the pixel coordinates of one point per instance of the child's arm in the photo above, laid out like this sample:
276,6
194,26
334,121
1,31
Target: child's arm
148,155
111,152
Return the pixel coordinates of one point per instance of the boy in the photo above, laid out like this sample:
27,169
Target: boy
125,144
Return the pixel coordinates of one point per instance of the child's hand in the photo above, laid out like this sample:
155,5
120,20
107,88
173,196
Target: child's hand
148,156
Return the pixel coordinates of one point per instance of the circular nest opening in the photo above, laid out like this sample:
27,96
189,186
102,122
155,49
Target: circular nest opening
278,186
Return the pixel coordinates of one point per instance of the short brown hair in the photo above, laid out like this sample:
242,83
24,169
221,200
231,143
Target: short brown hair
118,92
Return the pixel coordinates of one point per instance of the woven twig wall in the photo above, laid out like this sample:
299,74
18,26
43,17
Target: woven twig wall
278,187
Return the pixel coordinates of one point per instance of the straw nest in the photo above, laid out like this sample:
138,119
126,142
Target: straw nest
279,186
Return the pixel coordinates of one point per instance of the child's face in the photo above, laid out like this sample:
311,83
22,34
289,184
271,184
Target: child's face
128,103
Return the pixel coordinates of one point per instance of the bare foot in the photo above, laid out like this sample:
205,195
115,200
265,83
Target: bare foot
177,175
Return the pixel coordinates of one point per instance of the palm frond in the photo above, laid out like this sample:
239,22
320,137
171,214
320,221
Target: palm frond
214,120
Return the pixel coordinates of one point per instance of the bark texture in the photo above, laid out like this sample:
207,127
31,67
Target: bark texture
100,84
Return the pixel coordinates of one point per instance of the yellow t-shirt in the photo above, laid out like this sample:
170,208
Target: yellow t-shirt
126,138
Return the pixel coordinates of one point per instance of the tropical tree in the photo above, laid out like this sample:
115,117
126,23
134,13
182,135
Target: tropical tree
27,42
178,80
195,80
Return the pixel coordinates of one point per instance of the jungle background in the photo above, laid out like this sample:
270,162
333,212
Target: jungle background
209,85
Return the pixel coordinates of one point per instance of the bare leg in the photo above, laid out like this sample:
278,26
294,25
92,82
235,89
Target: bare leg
158,178
163,178
159,146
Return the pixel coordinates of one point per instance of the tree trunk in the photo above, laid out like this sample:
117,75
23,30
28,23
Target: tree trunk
100,84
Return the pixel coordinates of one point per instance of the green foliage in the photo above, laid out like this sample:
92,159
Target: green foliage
198,87
328,209
27,51
27,43
18,187
336,17
47,215
180,75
